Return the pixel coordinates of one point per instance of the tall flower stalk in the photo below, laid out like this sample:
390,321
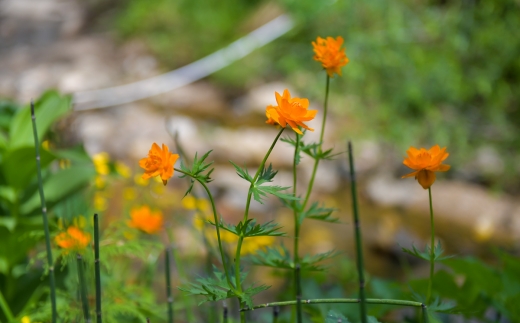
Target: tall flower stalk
238,282
50,261
357,233
425,163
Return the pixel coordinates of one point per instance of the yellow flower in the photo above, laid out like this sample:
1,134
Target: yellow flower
290,111
73,239
100,202
159,162
101,163
145,220
426,163
330,54
122,169
129,193
140,181
252,244
26,319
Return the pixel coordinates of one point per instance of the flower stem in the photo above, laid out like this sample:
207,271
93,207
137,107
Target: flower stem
225,313
5,308
432,249
297,282
97,269
298,294
246,215
168,284
276,313
424,312
339,301
50,261
221,249
317,160
83,288
357,232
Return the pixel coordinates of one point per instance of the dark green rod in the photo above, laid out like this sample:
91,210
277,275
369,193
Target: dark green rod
83,288
50,262
357,232
97,269
168,285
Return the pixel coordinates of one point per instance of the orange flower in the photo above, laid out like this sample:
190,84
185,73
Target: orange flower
426,163
292,111
330,54
73,239
159,162
146,220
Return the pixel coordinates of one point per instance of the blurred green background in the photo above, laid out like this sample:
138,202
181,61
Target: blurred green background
420,72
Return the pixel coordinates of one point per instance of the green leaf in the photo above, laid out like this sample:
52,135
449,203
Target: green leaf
437,253
335,317
60,185
277,257
19,165
248,294
266,175
212,288
8,194
251,229
195,172
261,191
8,221
242,172
48,108
320,213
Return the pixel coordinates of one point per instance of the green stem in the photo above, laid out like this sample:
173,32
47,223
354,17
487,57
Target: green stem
224,264
83,288
339,301
246,215
298,294
5,308
317,160
297,279
357,232
50,262
168,284
97,269
186,299
276,313
432,249
424,312
225,313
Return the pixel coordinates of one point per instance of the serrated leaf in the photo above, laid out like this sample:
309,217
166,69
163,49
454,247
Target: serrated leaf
277,257
266,175
261,191
242,172
211,288
251,229
320,213
195,172
310,263
280,257
437,252
248,294
335,317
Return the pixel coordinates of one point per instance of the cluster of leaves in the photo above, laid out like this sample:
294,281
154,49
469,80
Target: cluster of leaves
196,171
20,213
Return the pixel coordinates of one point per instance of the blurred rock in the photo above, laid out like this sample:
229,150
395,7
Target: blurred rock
466,205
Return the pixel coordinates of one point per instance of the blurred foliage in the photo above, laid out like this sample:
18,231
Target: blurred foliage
420,72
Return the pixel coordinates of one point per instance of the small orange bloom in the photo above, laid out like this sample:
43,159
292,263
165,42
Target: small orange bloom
426,163
146,220
330,54
73,239
159,162
290,111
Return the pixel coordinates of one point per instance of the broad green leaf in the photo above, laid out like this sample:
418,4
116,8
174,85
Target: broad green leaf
19,165
48,108
7,194
60,185
8,221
